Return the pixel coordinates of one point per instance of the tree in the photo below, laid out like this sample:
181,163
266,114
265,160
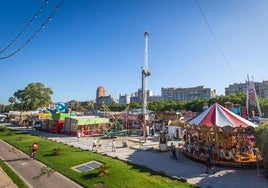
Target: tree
12,100
2,107
33,96
261,135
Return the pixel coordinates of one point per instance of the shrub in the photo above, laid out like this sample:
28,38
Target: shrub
2,129
261,135
103,170
9,133
57,151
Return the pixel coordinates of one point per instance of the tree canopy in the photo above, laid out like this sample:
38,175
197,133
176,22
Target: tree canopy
34,95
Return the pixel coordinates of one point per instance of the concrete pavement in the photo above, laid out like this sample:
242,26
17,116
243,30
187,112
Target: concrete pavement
161,162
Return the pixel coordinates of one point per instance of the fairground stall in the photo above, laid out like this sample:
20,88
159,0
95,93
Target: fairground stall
86,125
226,136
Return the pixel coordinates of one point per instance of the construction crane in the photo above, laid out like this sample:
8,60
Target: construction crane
145,73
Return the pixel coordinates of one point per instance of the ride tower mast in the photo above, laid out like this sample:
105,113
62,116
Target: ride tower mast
145,73
252,100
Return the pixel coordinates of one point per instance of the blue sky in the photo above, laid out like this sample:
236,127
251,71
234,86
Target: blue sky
92,43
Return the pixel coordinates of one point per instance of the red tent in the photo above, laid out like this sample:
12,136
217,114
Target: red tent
220,116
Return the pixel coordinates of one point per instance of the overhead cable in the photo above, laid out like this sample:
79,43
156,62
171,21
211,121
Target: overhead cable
49,18
25,27
215,39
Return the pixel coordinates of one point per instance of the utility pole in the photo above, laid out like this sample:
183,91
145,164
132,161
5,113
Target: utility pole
145,73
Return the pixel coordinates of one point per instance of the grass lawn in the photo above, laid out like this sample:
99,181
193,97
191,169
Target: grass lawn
121,174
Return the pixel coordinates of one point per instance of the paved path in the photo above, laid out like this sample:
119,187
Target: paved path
160,161
28,168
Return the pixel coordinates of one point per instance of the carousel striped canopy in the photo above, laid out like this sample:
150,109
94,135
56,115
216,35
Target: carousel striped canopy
220,116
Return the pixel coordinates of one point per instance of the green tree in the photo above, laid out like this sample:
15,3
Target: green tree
33,96
2,108
261,135
12,100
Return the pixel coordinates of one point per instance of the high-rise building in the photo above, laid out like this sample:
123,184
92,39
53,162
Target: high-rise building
100,92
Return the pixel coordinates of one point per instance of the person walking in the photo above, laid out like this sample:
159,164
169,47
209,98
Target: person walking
78,134
99,144
113,146
94,147
209,164
173,151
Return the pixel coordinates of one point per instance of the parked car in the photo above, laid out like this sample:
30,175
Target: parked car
3,118
37,124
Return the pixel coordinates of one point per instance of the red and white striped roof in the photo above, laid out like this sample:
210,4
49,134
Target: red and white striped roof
220,116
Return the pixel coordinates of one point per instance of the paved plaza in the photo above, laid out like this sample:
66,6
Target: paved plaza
146,155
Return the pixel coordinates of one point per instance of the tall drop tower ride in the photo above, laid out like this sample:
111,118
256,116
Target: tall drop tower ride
145,73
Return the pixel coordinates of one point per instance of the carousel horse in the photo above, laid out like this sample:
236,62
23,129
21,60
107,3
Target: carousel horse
229,155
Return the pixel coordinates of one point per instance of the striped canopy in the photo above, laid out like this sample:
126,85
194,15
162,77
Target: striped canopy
220,116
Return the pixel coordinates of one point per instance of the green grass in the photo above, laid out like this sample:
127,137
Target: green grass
15,178
121,174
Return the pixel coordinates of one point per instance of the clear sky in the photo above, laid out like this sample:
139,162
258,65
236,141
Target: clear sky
92,43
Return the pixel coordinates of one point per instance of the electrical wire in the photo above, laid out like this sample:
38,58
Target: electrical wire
49,18
25,27
215,39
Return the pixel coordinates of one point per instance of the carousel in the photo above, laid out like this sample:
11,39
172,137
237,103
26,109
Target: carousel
224,135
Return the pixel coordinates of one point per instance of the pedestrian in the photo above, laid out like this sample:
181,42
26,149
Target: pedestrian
173,151
34,148
78,134
209,164
94,147
99,144
113,146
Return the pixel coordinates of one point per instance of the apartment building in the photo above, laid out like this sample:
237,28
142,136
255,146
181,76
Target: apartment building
183,94
260,87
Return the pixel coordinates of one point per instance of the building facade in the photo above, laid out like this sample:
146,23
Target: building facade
124,99
107,100
260,87
101,91
184,94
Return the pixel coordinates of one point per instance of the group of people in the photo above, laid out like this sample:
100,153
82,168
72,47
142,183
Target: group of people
207,155
98,143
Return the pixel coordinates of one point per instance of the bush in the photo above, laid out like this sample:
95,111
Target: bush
103,170
2,129
9,133
261,135
57,151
